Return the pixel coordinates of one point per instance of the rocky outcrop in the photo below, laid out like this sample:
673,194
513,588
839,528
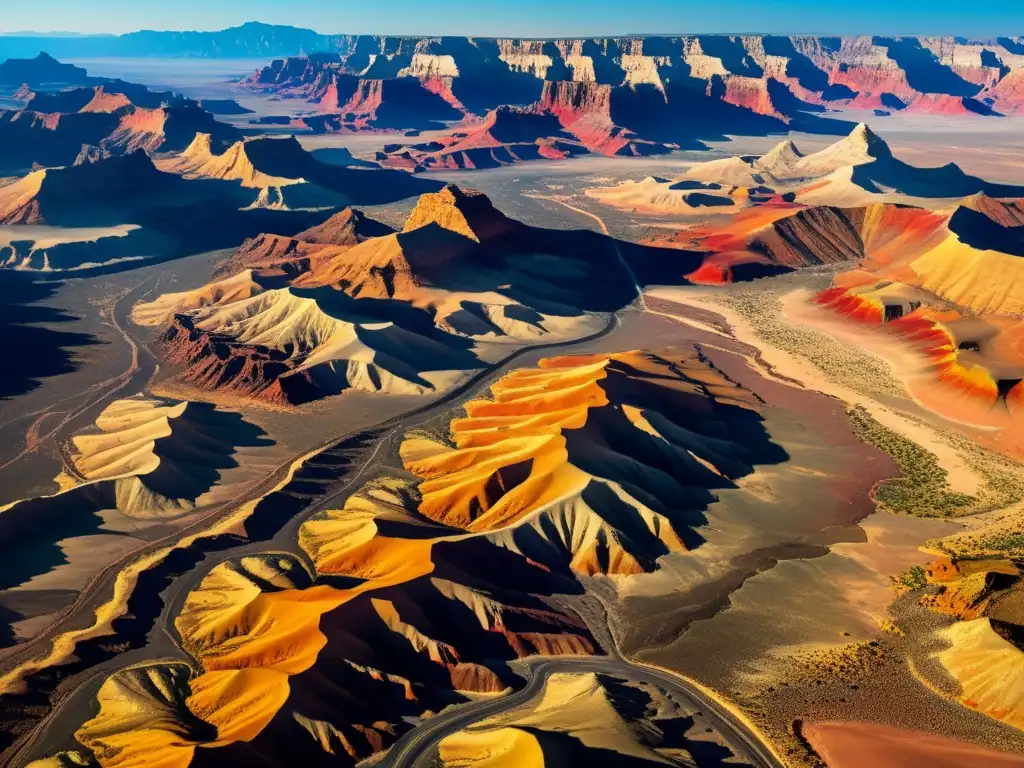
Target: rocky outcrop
782,78
352,305
114,116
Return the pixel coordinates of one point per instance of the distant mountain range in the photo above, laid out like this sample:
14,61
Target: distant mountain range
255,39
249,40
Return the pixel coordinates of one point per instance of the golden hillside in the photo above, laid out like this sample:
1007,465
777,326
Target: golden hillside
425,589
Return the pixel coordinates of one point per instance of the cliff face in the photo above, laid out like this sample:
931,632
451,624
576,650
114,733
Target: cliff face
778,79
109,117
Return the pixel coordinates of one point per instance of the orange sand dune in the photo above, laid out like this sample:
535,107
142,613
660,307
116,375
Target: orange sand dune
529,462
401,607
989,668
579,719
144,719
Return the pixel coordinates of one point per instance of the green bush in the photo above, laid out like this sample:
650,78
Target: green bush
923,489
915,578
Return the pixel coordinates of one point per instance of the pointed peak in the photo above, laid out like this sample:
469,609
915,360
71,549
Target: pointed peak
1008,213
781,153
347,227
468,212
975,200
89,154
863,137
202,144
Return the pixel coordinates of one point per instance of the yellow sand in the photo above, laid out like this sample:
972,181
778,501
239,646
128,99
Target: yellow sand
574,705
199,162
249,639
990,670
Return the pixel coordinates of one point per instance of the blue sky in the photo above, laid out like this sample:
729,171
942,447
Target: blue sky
528,18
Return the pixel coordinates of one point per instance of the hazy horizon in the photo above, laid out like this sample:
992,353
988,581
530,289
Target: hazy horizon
528,18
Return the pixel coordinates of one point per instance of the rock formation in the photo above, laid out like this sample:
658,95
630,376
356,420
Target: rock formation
113,116
356,306
635,94
416,598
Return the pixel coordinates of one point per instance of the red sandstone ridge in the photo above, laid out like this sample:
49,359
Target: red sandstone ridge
505,136
569,119
111,117
613,94
166,129
779,237
307,249
585,111
949,289
751,93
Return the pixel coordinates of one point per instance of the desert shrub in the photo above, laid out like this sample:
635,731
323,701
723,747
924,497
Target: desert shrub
923,488
915,578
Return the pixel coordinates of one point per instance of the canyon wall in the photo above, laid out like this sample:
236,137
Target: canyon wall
779,78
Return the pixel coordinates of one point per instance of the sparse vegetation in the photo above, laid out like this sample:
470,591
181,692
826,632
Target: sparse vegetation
841,363
923,489
844,664
1003,477
1009,543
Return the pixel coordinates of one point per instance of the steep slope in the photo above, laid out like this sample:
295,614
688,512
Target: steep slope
110,117
306,249
634,93
399,312
42,70
542,467
111,192
198,161
289,346
168,128
989,668
148,467
505,136
569,119
402,614
857,170
779,237
123,210
29,139
285,656
285,176
949,289
583,718
155,457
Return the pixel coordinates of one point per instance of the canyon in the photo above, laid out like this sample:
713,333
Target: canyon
520,99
